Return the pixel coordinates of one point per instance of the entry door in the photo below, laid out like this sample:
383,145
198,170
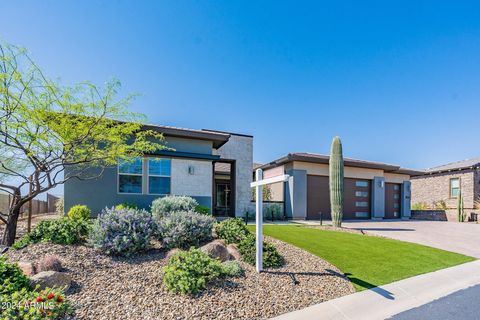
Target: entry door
223,195
392,201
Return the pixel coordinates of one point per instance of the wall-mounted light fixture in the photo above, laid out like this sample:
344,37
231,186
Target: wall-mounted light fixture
382,184
191,170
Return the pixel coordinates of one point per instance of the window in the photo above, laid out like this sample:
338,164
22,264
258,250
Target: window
361,193
159,171
396,205
362,215
130,176
361,204
396,196
361,183
396,187
454,187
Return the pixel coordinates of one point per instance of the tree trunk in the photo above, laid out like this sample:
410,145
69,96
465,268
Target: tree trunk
11,227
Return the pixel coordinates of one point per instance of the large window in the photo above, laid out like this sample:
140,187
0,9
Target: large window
159,172
454,187
130,176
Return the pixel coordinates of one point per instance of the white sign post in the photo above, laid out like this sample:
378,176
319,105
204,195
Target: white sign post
259,182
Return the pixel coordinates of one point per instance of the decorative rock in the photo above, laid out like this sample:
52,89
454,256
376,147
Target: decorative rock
49,263
234,252
51,279
216,249
28,268
172,252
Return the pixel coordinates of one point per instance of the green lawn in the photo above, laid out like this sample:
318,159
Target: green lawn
368,261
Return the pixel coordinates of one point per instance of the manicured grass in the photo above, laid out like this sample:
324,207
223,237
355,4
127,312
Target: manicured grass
368,261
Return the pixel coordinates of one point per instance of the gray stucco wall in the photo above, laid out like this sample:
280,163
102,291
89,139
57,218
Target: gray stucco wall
240,148
296,194
406,195
378,198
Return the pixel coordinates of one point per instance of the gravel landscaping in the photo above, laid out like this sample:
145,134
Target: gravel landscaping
111,288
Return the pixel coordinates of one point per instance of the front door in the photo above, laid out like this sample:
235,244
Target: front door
392,201
223,195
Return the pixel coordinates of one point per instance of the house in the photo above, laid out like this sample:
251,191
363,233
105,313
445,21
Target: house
439,187
372,190
195,167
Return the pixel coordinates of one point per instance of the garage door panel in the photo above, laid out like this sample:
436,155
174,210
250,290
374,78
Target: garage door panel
318,197
392,200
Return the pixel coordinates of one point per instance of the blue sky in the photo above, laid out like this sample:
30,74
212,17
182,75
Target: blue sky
398,81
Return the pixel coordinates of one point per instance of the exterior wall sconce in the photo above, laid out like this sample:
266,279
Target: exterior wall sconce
191,170
382,184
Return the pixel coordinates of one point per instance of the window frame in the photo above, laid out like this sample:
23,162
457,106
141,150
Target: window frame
129,174
451,189
148,175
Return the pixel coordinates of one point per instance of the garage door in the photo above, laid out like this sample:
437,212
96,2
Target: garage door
392,200
318,198
356,204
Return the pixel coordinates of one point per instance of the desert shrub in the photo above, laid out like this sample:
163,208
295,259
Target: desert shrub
232,269
60,206
420,206
11,278
189,271
271,257
203,210
231,230
440,205
59,231
79,212
185,229
126,205
122,232
273,212
49,263
27,304
167,205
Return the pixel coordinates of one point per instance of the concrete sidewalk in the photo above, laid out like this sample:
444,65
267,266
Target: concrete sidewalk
388,300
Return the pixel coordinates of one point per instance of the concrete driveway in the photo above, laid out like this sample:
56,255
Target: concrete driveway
452,236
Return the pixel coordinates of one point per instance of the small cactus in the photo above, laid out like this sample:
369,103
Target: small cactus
336,182
460,208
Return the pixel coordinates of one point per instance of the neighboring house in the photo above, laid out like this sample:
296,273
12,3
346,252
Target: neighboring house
195,168
439,186
372,190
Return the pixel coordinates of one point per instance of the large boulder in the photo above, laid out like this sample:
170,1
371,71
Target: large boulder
51,279
28,268
217,249
234,252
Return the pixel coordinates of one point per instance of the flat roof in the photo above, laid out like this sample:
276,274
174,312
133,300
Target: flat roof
349,162
218,138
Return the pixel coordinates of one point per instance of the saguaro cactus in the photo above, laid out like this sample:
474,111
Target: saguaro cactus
460,209
336,182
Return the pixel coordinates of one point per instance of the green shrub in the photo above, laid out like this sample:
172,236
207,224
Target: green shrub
420,206
189,271
231,230
167,205
122,232
59,231
232,269
273,212
203,210
184,229
126,205
33,305
11,278
271,257
79,212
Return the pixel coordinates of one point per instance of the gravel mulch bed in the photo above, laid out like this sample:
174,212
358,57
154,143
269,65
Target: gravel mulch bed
121,288
332,228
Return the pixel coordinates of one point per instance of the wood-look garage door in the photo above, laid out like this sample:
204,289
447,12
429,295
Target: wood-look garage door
318,198
356,203
392,200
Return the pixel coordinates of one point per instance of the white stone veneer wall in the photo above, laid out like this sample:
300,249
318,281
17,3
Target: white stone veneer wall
240,148
197,184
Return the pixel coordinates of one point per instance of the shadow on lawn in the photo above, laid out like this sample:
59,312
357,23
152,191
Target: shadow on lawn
367,285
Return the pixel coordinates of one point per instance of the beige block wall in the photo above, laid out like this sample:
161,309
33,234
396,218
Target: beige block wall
351,172
436,187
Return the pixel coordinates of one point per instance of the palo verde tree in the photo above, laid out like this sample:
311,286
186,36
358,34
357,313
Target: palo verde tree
336,182
50,133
